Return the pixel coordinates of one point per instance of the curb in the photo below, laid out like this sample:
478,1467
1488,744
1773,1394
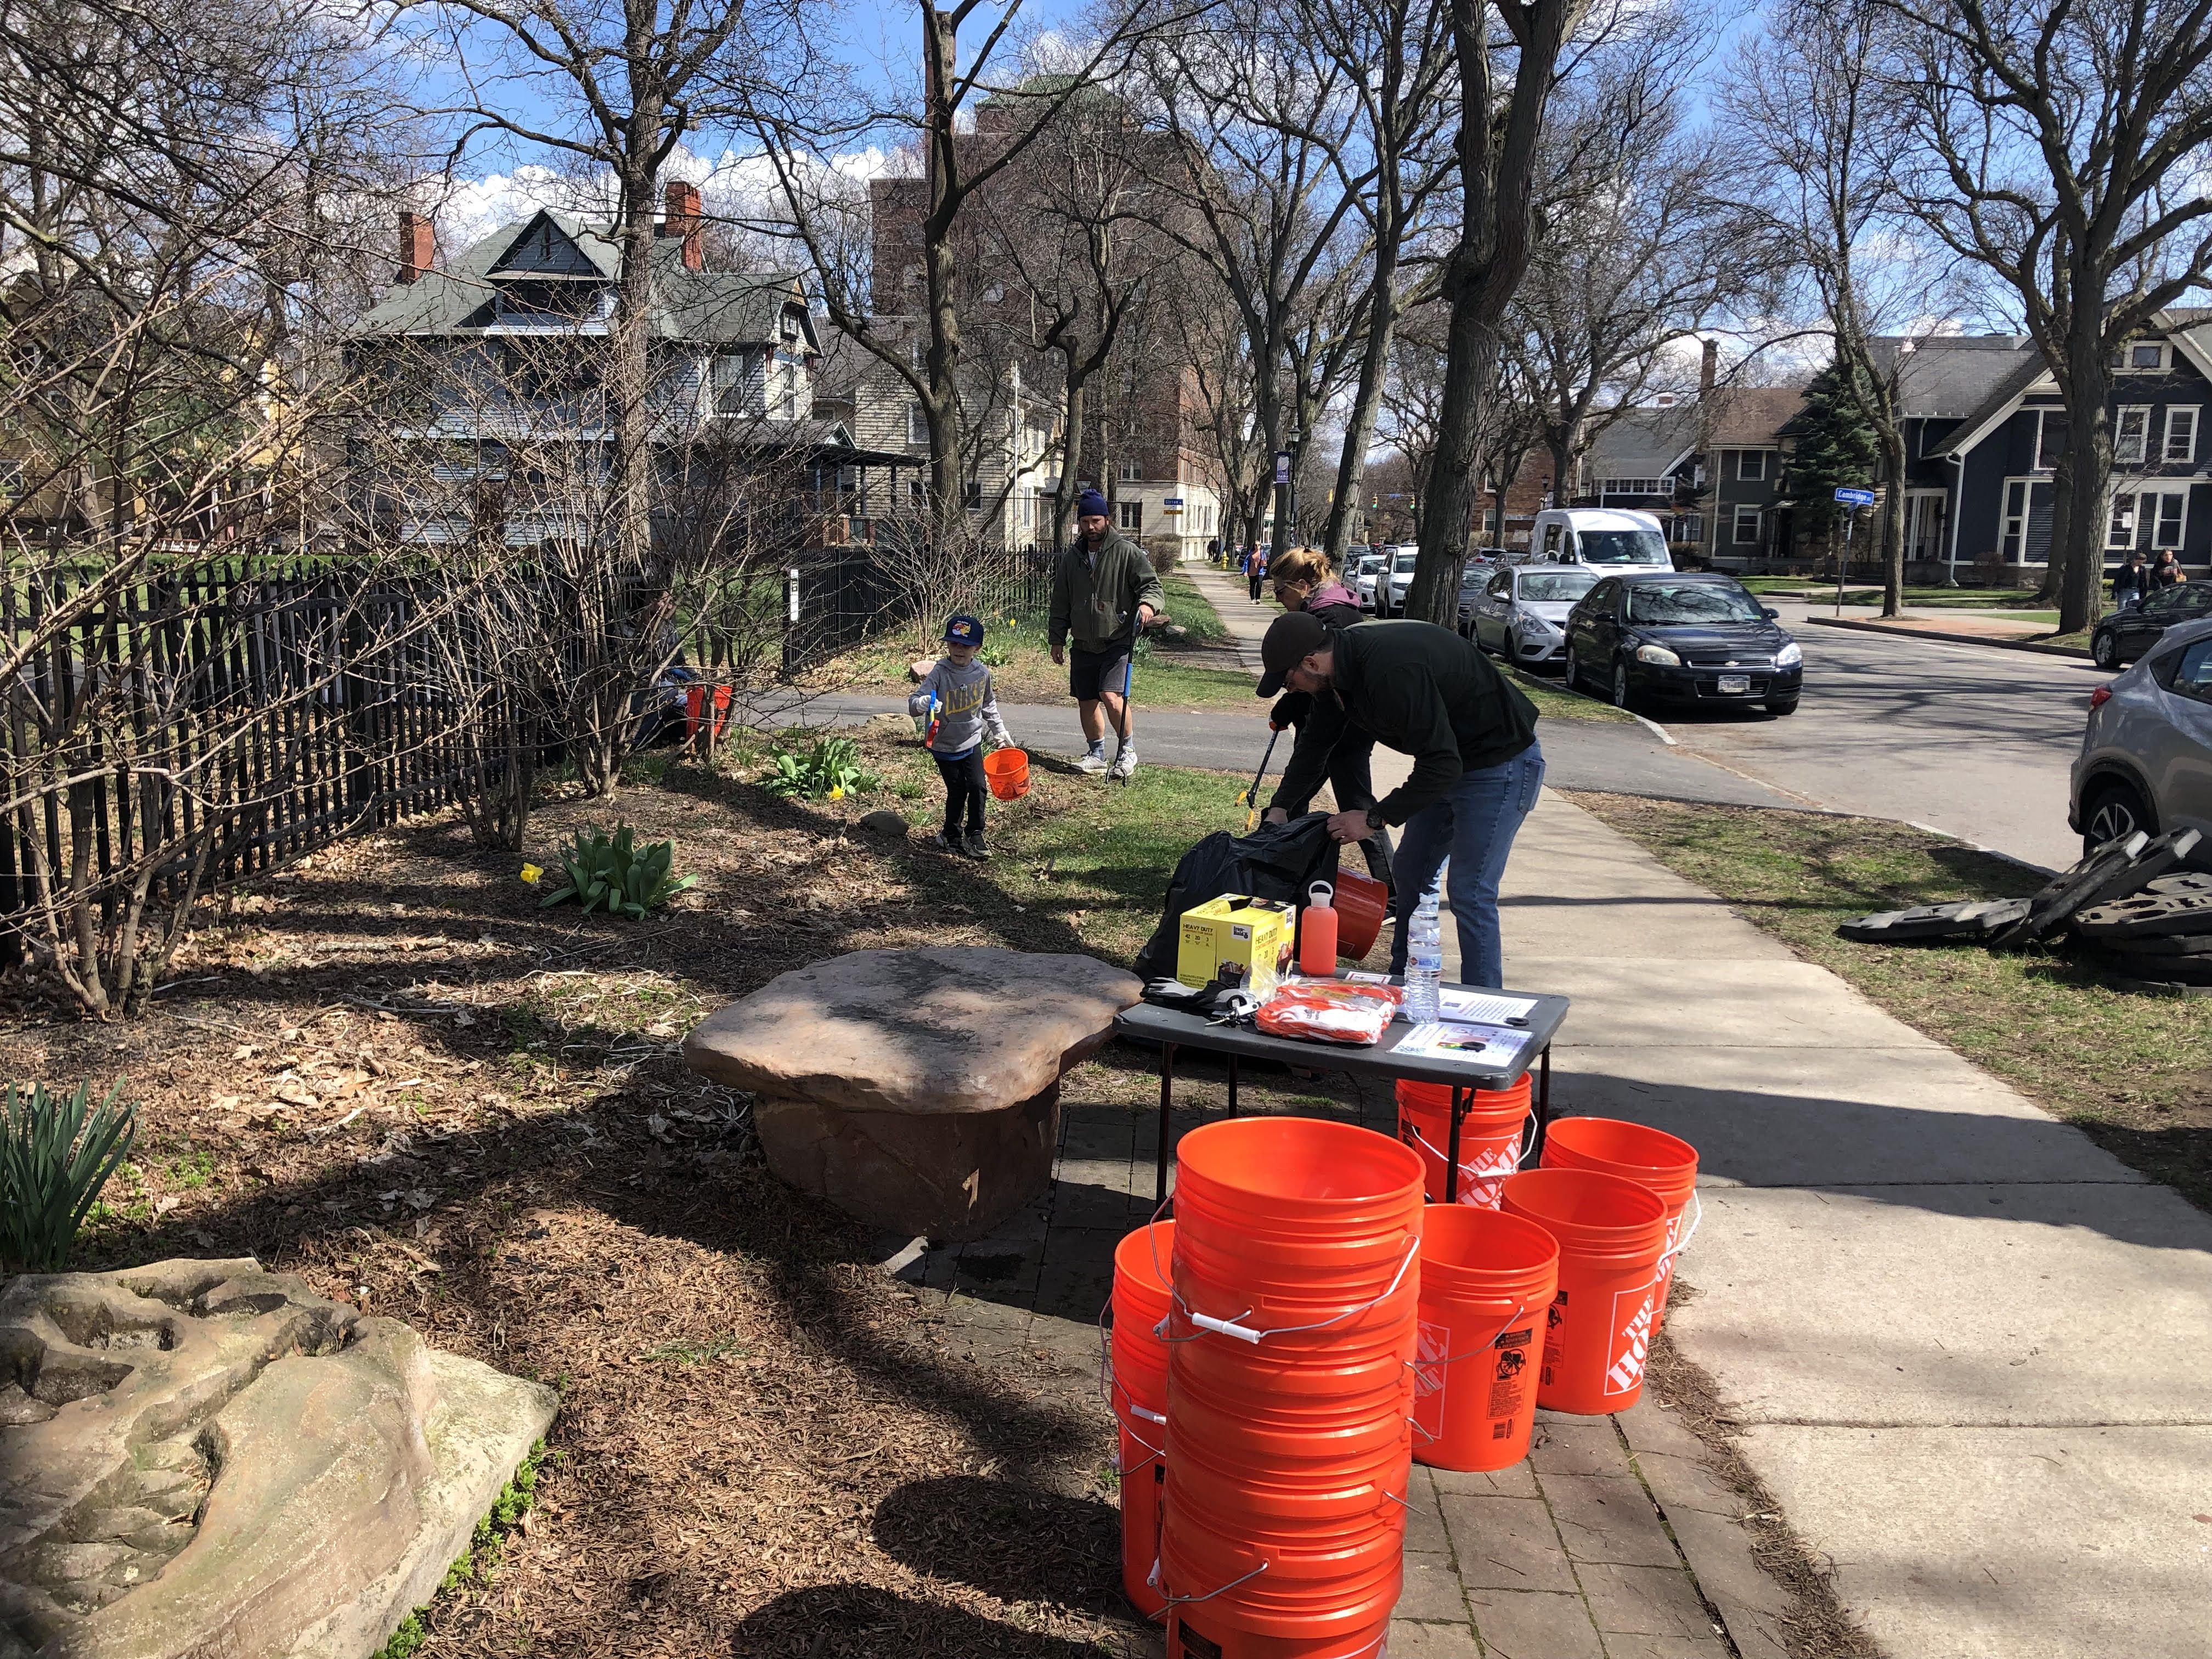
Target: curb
1858,626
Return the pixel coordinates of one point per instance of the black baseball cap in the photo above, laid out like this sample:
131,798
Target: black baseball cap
1291,638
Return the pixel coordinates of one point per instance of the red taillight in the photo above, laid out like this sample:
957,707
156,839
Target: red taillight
2100,697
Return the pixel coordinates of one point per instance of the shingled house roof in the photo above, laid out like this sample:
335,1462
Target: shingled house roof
550,248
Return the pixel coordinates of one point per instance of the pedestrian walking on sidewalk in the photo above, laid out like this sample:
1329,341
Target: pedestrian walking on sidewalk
2131,583
2166,571
957,696
1104,591
1255,572
1303,582
1424,691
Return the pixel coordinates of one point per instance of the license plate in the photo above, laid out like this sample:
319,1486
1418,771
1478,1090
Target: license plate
1735,683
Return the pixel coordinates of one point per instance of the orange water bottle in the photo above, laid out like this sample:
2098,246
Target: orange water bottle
1317,933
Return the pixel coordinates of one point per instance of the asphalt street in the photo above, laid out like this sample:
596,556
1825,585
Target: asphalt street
1966,739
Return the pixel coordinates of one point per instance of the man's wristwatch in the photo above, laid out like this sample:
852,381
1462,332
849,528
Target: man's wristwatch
1375,818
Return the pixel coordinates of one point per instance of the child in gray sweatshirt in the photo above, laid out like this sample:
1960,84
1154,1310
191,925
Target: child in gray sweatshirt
957,696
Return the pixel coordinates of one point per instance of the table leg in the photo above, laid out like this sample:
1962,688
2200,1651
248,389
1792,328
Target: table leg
1543,1102
1461,1098
1233,1085
1167,1102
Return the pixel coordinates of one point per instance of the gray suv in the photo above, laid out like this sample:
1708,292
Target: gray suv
2146,760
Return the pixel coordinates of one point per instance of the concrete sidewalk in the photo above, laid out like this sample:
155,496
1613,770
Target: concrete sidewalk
1965,1347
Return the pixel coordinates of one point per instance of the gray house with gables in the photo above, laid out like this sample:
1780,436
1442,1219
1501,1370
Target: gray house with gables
492,410
1984,426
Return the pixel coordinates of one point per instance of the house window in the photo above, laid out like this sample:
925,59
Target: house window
1132,471
2172,510
730,383
2181,434
1747,519
1751,466
2121,535
1133,514
790,324
2050,439
2139,357
917,424
2015,518
1634,487
1923,524
974,498
2130,436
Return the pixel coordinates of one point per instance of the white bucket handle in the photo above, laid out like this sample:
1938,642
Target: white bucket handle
1246,1333
1528,1141
1683,1243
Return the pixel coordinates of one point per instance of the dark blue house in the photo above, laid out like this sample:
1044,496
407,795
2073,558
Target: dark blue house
1984,426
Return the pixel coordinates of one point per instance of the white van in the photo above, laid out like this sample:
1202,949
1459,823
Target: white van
1599,535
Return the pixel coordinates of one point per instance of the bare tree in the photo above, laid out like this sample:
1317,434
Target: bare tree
2059,145
1638,252
1818,127
1500,136
1255,136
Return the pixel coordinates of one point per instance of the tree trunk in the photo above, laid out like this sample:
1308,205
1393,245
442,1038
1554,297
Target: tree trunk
1359,425
941,358
1063,499
2085,474
1563,462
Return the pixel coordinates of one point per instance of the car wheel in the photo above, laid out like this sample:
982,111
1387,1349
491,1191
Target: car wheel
2104,650
1621,695
1573,672
2113,810
1781,705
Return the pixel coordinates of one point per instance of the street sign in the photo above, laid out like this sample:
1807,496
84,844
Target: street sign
1855,497
1282,466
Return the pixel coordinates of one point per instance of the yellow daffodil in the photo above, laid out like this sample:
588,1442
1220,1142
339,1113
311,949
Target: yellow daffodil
837,792
531,872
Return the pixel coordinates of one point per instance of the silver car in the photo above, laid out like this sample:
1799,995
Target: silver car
1521,612
2146,760
1361,577
1401,580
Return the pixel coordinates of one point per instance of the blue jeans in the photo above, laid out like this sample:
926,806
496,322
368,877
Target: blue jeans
1474,825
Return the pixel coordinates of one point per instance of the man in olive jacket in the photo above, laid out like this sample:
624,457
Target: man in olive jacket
1425,692
1103,590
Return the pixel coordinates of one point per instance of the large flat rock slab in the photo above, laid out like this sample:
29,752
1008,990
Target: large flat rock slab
915,1090
957,1029
201,1458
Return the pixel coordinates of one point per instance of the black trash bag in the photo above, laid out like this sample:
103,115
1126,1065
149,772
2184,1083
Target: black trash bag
1276,861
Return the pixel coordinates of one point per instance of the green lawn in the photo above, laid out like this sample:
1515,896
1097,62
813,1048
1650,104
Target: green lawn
1555,701
2130,1069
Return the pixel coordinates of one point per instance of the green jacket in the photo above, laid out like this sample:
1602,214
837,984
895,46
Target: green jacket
1095,598
1422,690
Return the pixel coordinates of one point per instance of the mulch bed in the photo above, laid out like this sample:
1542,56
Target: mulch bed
390,1072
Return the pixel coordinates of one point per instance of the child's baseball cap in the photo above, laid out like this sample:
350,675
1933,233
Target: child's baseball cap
963,629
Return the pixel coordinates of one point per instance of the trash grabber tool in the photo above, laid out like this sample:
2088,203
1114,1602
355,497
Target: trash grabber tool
1251,795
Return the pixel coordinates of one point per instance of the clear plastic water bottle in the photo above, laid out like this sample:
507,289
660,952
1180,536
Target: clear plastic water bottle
1424,953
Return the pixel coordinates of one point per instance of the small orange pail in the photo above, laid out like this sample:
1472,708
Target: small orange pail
1007,771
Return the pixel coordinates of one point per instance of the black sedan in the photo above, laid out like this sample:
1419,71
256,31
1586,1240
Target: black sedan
1688,638
2126,635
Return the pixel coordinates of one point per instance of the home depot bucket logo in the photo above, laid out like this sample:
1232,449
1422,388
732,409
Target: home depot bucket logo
1632,1339
1482,1178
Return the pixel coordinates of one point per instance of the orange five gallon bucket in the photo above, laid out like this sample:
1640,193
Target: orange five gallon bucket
1007,771
1492,1137
1139,1390
1597,1335
1487,1280
1650,1157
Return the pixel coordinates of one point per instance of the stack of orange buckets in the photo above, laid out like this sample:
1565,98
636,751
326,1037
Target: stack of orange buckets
1290,1343
1139,1391
1493,1136
1306,1327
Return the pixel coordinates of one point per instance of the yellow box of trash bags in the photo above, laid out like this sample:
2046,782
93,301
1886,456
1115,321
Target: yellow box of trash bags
1241,941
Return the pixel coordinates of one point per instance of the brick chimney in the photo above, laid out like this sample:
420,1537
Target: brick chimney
418,247
683,219
1709,371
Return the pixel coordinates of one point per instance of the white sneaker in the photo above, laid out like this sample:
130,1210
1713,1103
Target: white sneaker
1125,763
1093,762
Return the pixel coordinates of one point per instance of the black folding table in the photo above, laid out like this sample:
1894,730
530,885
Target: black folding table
1172,1030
